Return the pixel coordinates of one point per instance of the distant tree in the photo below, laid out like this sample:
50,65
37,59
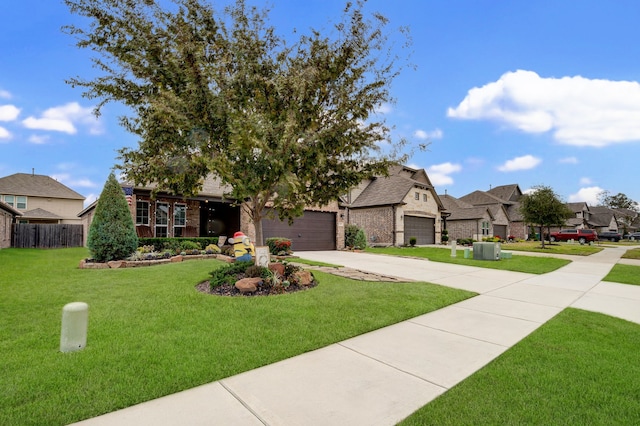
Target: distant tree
112,235
618,201
285,125
627,208
543,208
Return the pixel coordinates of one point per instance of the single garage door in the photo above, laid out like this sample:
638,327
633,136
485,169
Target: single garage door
423,228
500,231
311,231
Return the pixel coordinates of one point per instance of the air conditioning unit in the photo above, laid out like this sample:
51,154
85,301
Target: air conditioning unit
486,251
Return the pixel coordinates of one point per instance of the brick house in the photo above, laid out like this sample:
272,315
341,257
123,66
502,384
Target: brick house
466,220
41,199
8,217
211,214
505,206
393,209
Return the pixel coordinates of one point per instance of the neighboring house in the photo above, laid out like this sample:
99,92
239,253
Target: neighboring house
7,218
505,208
395,208
41,199
211,214
581,215
602,219
628,220
466,220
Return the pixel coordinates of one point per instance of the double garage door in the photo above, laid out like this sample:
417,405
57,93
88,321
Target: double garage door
423,228
311,231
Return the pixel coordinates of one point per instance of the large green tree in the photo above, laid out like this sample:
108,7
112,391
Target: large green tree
112,235
627,208
283,123
542,207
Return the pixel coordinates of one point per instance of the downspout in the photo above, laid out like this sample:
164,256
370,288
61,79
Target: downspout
393,231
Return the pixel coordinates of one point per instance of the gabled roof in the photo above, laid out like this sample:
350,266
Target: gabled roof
460,210
480,198
578,207
506,192
40,214
601,216
33,185
87,209
513,211
211,187
392,190
6,207
384,191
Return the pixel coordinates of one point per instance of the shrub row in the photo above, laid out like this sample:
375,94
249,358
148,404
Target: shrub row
178,244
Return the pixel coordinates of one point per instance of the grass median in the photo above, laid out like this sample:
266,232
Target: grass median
152,334
579,368
528,264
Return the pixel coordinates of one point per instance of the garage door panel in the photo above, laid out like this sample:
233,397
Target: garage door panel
420,227
312,231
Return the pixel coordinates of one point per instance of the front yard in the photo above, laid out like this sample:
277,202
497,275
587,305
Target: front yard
151,333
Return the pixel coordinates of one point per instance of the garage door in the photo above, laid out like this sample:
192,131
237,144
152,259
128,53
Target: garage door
312,231
500,231
420,227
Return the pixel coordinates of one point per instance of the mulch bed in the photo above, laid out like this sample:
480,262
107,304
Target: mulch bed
230,290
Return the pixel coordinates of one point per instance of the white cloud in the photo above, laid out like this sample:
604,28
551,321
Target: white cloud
424,135
439,173
5,94
90,198
38,139
588,195
9,112
4,133
64,118
526,162
585,181
68,180
579,111
568,160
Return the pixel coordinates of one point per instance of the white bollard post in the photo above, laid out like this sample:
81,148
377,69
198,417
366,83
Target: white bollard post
75,318
454,252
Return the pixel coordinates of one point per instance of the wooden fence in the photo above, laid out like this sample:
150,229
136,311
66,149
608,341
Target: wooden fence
30,235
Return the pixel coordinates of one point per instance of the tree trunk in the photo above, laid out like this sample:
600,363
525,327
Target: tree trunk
542,235
257,223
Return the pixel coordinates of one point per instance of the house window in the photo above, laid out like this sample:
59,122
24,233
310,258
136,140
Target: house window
417,196
485,228
21,202
162,219
142,213
424,197
9,199
179,219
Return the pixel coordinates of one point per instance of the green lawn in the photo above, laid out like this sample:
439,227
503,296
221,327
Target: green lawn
151,334
580,368
632,254
529,264
553,248
624,274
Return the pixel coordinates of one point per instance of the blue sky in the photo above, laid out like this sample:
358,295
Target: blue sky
533,93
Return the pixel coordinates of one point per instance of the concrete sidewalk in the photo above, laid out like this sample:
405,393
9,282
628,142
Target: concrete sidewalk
381,377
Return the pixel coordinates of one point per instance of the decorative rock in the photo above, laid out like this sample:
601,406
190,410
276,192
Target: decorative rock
277,268
175,259
304,278
248,285
115,264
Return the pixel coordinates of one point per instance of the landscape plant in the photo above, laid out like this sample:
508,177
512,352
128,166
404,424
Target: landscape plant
112,234
354,237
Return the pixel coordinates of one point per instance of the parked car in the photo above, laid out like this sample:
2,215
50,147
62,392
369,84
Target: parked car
580,235
633,236
609,235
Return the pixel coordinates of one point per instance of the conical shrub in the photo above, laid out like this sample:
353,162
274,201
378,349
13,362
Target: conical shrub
112,235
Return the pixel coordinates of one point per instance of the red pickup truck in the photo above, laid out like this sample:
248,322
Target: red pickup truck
580,235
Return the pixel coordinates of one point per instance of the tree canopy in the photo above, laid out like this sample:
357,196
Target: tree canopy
286,124
544,208
618,201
